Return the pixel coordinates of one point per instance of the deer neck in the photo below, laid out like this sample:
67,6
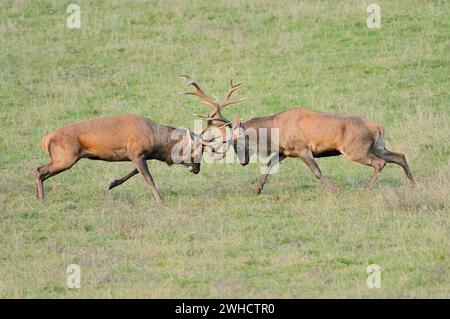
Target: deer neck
166,142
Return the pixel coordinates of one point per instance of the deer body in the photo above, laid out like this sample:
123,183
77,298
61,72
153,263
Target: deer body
307,134
117,138
324,134
304,134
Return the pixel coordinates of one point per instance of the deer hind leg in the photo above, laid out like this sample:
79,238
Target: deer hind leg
378,165
370,160
277,158
141,166
61,160
46,171
399,159
122,180
380,150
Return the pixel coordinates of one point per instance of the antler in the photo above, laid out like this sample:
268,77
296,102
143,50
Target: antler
211,141
217,116
233,88
199,92
213,144
212,148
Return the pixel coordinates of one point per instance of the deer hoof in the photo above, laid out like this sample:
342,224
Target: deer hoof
112,184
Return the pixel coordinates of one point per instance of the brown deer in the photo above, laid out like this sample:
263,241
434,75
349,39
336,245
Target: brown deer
119,138
307,135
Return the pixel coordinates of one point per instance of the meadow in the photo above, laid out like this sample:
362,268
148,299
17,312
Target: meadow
213,237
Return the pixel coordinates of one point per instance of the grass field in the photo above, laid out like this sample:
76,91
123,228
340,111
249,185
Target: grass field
212,236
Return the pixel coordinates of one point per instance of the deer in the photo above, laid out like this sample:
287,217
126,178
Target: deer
118,139
303,134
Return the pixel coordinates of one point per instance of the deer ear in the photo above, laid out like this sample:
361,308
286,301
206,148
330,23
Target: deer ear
236,122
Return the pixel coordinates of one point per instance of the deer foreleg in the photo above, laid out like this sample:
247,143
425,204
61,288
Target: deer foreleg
277,158
142,167
307,157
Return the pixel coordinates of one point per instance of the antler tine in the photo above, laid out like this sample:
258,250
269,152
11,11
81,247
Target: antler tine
219,145
213,117
199,92
214,154
231,90
186,76
234,87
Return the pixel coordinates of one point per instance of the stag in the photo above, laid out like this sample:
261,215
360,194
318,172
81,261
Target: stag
304,134
115,139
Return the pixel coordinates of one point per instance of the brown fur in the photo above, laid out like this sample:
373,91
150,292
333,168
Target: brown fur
309,134
304,134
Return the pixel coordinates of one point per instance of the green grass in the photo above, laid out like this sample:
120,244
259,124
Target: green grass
212,236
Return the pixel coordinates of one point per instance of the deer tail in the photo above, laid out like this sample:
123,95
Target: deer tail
378,147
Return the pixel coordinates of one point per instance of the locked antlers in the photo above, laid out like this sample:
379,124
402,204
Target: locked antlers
216,115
